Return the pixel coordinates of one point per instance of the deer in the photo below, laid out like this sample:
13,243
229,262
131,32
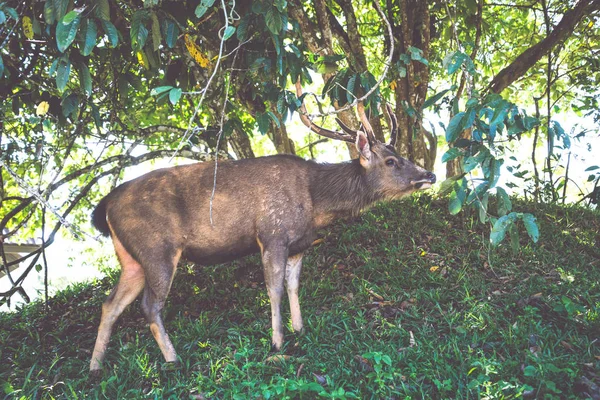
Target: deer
273,205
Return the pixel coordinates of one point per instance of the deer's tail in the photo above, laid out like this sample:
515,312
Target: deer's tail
99,217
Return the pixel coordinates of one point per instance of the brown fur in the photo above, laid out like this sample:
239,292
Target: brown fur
271,205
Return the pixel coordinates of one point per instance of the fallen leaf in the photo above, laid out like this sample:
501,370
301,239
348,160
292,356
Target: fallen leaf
372,293
434,268
405,304
318,241
566,345
587,388
321,380
412,341
278,358
364,363
299,370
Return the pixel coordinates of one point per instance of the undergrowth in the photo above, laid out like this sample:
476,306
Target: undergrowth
403,302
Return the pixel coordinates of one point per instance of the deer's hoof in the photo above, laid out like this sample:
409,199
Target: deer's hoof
95,376
171,366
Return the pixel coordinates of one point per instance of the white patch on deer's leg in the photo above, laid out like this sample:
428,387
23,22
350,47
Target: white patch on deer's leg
163,340
155,295
275,295
131,283
274,260
292,277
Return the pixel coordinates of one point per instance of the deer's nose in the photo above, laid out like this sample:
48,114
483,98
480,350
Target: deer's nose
431,176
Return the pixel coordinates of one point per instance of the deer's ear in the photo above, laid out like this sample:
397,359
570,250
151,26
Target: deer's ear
363,146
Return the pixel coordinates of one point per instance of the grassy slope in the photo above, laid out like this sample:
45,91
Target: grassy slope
484,323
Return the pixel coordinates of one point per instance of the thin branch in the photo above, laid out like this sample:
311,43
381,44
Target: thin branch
191,130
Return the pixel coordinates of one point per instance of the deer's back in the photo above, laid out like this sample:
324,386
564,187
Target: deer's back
255,200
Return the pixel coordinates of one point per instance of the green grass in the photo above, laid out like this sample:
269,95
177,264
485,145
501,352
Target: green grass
483,323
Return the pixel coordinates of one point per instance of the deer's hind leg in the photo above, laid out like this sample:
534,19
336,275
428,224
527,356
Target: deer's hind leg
292,279
131,283
160,271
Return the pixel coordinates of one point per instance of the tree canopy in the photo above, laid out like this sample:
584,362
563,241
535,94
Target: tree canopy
90,89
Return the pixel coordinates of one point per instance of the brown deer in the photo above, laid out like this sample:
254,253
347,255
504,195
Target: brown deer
270,204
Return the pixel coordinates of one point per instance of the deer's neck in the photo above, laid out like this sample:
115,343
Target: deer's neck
339,190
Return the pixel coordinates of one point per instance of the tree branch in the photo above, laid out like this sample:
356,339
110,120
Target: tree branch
532,55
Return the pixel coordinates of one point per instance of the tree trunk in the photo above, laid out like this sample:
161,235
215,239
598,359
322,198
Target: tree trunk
278,135
240,143
414,142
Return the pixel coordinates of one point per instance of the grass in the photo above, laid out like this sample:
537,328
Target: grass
403,302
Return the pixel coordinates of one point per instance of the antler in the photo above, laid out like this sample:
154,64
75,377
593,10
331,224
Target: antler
320,130
360,109
393,124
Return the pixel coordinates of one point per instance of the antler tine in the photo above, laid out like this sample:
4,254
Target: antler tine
360,108
346,128
317,129
393,124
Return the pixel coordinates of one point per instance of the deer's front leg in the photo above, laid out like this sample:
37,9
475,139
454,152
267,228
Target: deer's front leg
292,278
274,258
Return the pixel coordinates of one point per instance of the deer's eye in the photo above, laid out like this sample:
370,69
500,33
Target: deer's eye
390,162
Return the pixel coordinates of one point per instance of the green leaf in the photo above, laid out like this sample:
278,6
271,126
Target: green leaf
242,29
454,127
504,203
351,93
483,207
49,15
531,226
469,164
102,10
274,21
274,118
70,105
171,32
91,34
138,32
451,154
160,89
433,99
494,171
455,61
174,95
500,227
111,32
85,79
65,32
457,197
228,32
203,7
60,8
96,116
262,119
63,70
592,168
67,19
529,370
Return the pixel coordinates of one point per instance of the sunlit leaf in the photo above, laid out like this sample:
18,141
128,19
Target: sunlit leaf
111,32
531,226
27,27
174,95
65,32
91,34
160,89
